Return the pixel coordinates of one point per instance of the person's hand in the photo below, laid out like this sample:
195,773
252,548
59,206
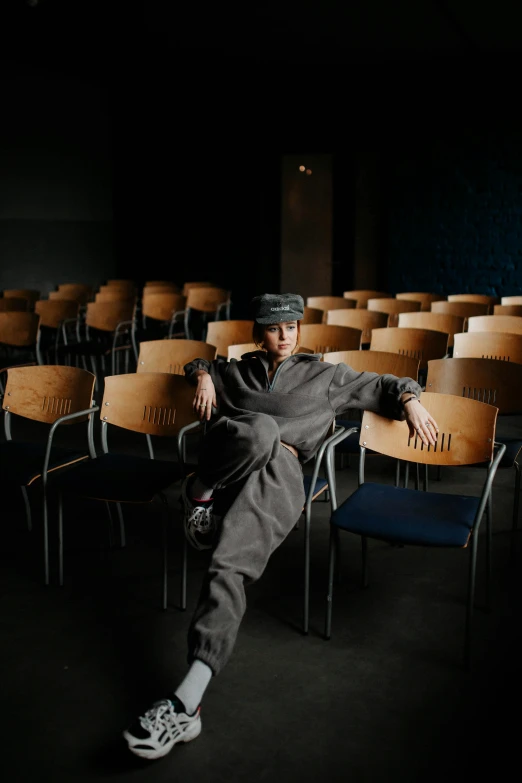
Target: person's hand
421,422
205,397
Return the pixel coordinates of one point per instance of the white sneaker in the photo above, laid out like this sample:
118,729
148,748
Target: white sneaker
199,522
154,734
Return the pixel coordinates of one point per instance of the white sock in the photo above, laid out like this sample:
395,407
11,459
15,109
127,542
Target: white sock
191,690
200,491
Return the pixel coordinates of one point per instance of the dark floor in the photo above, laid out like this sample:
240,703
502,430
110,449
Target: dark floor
386,699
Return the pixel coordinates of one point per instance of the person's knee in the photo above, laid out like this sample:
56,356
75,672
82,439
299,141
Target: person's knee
260,431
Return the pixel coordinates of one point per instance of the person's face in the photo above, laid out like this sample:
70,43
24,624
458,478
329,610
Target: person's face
281,339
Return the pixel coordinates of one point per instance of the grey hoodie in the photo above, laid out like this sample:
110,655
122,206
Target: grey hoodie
305,394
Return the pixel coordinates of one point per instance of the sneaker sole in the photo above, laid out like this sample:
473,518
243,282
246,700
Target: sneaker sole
190,734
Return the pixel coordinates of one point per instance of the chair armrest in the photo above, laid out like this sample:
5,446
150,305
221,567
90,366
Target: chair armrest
54,427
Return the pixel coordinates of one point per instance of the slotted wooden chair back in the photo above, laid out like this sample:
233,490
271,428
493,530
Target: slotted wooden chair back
171,356
439,322
198,284
506,309
162,306
161,288
362,319
421,344
486,380
44,393
393,307
500,346
148,402
325,303
106,316
361,296
481,298
30,294
511,300
78,292
462,309
376,361
466,429
13,304
312,315
225,333
207,299
19,329
424,298
53,312
324,338
495,323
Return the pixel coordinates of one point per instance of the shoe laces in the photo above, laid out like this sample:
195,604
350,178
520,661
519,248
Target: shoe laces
201,519
156,715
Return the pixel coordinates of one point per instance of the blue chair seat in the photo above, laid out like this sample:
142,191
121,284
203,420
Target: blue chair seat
21,462
320,484
118,478
407,516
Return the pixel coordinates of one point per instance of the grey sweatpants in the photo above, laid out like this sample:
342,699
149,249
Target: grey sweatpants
244,454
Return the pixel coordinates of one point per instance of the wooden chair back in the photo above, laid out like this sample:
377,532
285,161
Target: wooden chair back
462,309
30,294
13,304
207,299
122,283
506,309
466,432
114,295
225,333
78,292
19,329
438,322
361,296
153,403
312,315
106,316
495,323
360,318
424,298
500,346
325,303
237,350
197,284
162,288
324,338
511,300
168,283
53,312
393,307
421,344
487,380
171,356
46,392
382,362
481,298
162,306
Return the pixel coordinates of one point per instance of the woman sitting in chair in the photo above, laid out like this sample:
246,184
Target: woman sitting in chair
266,414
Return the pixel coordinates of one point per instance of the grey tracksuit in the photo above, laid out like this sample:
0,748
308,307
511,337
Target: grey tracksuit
261,480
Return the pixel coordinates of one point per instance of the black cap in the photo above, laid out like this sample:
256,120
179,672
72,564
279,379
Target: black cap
277,308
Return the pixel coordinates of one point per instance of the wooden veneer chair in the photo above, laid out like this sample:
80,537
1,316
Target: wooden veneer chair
393,307
425,299
322,338
160,314
360,318
480,298
225,333
171,356
78,292
361,296
311,315
153,404
13,304
18,335
496,383
495,323
236,351
55,316
410,517
511,300
325,303
421,344
438,322
503,309
462,309
501,346
204,306
30,294
54,396
197,284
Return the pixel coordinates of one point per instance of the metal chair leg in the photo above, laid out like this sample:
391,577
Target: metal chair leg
122,525
306,607
27,504
46,537
470,601
329,596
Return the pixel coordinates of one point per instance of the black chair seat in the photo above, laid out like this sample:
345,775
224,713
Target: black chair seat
118,477
407,516
21,462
